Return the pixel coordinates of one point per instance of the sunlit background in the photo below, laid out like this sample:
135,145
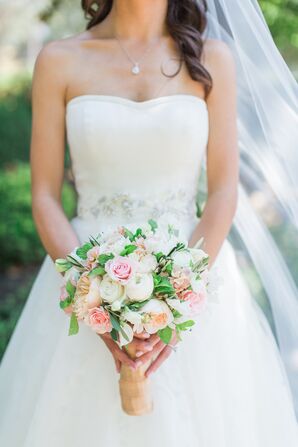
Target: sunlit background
24,28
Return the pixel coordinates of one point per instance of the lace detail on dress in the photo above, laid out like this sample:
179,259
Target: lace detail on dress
180,204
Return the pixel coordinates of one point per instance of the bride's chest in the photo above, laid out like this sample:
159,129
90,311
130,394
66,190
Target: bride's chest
163,130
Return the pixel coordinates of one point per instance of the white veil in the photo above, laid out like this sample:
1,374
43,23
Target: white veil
268,143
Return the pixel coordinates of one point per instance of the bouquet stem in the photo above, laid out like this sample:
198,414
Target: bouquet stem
134,387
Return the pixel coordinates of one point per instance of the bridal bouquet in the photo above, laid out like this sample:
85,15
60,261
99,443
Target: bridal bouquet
128,281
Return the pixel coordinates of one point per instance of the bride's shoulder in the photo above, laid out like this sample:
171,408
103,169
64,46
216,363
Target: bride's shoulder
217,56
59,59
61,51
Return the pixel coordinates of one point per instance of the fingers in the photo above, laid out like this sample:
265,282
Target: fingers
117,353
142,335
124,358
164,354
118,365
148,346
142,346
146,357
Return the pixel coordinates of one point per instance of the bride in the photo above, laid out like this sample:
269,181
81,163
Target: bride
142,95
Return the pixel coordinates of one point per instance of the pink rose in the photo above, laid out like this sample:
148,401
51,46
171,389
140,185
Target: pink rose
120,269
99,320
195,300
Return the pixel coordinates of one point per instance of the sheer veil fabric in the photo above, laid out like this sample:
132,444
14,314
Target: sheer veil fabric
268,135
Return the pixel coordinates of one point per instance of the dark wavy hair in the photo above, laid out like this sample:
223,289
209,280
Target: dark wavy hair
186,21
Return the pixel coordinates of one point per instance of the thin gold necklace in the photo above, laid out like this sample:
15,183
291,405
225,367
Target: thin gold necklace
136,64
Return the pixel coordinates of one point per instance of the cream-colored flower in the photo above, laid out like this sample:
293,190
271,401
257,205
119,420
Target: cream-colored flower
156,315
140,287
182,258
135,318
87,295
147,263
111,290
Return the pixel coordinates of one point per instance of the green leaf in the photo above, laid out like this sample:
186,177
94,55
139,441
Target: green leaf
74,261
153,225
73,325
98,271
164,290
178,247
102,259
165,334
156,279
159,256
137,305
94,240
115,322
164,286
168,267
185,325
124,334
82,251
128,234
70,288
65,303
138,233
114,334
128,249
176,314
178,335
173,231
201,265
62,265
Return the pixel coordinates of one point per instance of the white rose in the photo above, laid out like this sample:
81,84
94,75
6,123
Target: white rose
182,258
113,242
180,306
144,263
156,315
110,290
153,243
135,319
147,264
140,287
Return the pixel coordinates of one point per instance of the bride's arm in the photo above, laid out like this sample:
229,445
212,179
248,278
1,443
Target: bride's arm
47,151
47,165
222,151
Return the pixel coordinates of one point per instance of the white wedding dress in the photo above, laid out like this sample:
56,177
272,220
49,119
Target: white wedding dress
224,387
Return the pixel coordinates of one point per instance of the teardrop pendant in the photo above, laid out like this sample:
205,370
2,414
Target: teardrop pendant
135,69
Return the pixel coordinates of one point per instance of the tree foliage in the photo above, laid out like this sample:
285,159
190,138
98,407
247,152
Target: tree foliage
282,19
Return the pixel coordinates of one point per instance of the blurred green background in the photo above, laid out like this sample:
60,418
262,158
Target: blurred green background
25,27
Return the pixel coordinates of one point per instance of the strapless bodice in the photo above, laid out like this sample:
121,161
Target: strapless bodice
136,160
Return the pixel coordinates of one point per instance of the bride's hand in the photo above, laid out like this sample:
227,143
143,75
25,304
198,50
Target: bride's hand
159,353
118,354
142,345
